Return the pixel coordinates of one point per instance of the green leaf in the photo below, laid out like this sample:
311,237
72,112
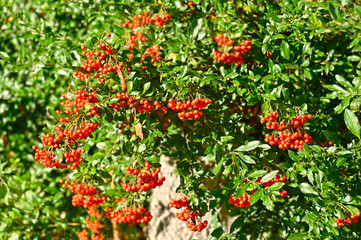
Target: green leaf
146,87
307,189
298,236
276,186
3,191
269,176
246,159
54,114
242,190
248,147
256,196
184,71
343,81
226,138
285,50
258,173
4,55
293,155
352,122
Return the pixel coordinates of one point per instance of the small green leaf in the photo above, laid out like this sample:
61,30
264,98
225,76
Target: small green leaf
352,122
276,186
285,50
248,147
4,55
246,159
307,189
54,114
258,173
269,176
256,196
146,87
3,191
242,190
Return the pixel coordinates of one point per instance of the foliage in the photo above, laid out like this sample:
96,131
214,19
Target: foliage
305,59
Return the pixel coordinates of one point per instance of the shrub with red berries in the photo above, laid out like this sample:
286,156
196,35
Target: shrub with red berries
256,104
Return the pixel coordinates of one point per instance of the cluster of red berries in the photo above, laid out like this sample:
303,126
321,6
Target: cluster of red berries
196,104
47,158
348,221
125,101
140,20
107,48
129,215
79,188
82,132
228,58
132,41
80,100
287,139
93,61
244,47
187,215
87,202
82,235
299,121
81,76
93,212
95,226
182,202
48,140
235,53
242,202
145,181
271,121
221,39
153,52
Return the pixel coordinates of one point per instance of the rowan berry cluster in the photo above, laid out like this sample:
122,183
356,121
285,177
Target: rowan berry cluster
129,215
182,202
95,226
271,122
78,103
93,212
348,221
183,106
125,101
79,188
143,19
132,42
287,139
187,215
145,180
242,202
153,52
233,55
222,39
299,121
88,201
82,235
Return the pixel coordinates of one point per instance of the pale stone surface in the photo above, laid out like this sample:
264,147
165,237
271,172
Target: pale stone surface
164,224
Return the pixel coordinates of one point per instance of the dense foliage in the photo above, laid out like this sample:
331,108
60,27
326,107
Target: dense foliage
258,104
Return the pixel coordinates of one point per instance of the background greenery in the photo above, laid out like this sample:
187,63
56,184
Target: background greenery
305,57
